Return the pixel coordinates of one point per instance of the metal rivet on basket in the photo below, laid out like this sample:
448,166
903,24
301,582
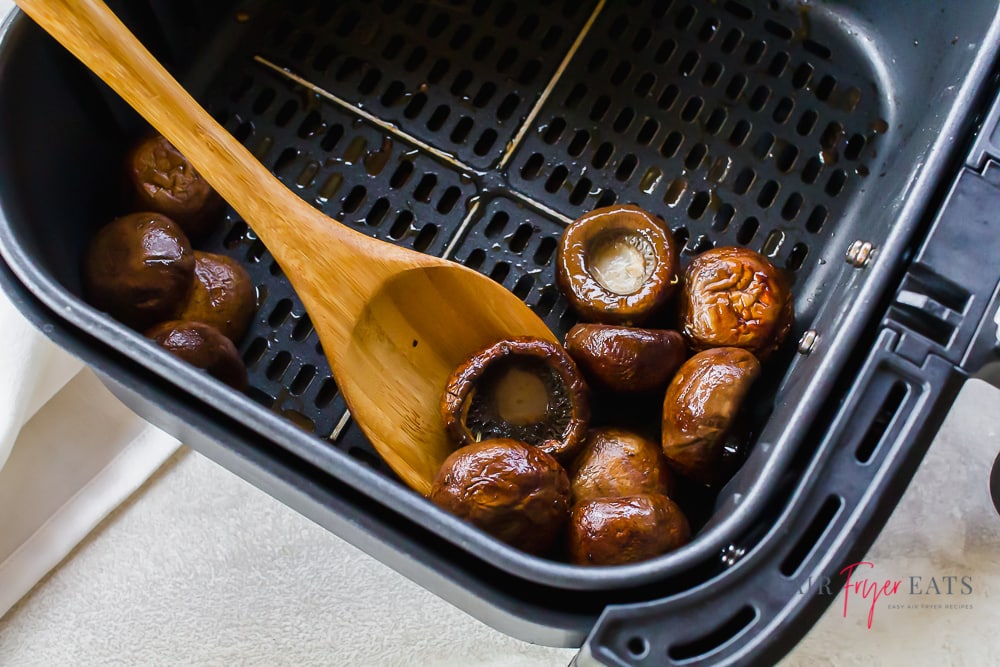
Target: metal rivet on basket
808,341
859,254
732,554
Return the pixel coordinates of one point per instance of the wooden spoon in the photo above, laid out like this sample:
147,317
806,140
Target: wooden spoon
393,323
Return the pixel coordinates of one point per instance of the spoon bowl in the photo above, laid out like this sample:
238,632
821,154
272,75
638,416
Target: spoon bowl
393,323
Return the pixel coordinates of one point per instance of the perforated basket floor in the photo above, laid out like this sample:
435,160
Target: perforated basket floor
477,130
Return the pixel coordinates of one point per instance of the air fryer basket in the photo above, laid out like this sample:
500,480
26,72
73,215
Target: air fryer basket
476,130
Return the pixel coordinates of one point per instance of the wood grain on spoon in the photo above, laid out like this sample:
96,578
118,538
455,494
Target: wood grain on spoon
393,323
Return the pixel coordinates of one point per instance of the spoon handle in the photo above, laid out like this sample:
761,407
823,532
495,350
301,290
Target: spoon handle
91,32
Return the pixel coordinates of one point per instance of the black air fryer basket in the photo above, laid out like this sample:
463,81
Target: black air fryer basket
850,142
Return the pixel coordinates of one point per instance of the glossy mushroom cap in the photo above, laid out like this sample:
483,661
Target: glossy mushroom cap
222,295
617,265
514,491
163,180
617,462
735,297
139,268
626,359
203,346
628,529
523,388
700,406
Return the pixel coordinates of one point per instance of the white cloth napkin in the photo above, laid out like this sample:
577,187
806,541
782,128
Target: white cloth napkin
70,453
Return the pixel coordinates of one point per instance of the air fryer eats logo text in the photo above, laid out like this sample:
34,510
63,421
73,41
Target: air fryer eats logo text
866,591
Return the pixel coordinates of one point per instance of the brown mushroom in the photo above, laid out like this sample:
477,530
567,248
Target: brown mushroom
617,462
523,388
139,268
222,295
626,359
203,346
163,180
735,297
514,491
627,529
700,407
617,265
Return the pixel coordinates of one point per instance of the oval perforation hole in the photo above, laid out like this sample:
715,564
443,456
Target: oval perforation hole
681,236
607,198
731,41
256,251
778,64
812,170
816,219
424,188
286,113
797,257
699,203
461,82
327,392
722,218
825,87
740,133
691,109
425,237
500,272
460,36
475,259
712,74
483,48
496,224
508,106
602,155
302,328
236,234
546,301
485,94
758,100
792,206
580,191
278,365
786,156
401,175
736,86
744,181
416,58
642,39
401,225
854,147
264,99
352,202
835,185
624,119
768,194
523,286
685,17
369,81
415,106
696,156
688,63
302,380
647,131
716,121
762,147
532,167
626,167
747,231
519,239
665,51
622,70
755,52
507,58
377,212
485,141
546,248
393,47
600,107
461,130
644,84
438,70
393,92
254,352
438,118
783,110
576,94
668,97
556,179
